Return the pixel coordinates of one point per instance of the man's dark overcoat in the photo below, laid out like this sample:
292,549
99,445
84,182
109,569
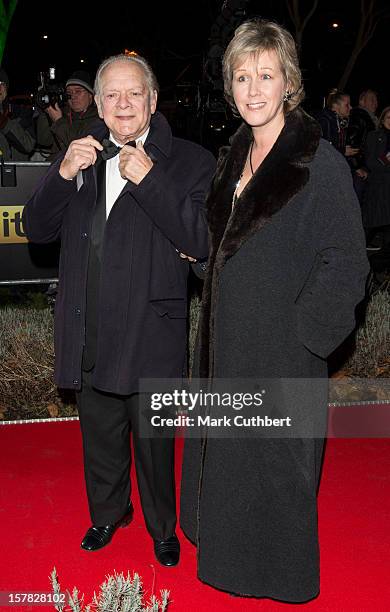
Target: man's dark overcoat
287,268
142,303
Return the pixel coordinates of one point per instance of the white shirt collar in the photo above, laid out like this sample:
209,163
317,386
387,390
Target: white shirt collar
139,139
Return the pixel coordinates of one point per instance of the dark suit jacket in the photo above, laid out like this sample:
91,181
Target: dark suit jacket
359,126
376,204
143,286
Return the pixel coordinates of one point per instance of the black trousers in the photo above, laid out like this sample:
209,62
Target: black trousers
107,421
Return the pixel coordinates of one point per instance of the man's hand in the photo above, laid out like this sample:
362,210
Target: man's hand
80,155
54,112
350,151
362,173
134,163
190,259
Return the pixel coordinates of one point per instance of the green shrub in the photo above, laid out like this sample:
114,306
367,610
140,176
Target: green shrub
24,296
118,593
371,357
27,389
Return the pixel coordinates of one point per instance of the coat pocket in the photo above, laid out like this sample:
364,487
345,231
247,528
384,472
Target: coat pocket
173,308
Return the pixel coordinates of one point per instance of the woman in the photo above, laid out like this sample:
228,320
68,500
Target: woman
333,119
334,122
376,206
287,266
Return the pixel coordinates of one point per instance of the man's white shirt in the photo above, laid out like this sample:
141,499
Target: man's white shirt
114,181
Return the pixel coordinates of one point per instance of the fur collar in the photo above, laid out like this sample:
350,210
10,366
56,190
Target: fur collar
282,175
294,148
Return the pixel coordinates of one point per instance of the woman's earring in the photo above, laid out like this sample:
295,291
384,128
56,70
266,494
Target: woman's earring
286,96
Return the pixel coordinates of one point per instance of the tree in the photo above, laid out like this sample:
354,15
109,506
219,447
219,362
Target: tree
370,16
300,22
7,10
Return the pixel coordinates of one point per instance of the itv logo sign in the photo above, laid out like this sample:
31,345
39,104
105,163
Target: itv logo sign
11,226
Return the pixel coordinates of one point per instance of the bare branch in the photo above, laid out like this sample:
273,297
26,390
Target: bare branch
369,19
299,23
290,11
310,14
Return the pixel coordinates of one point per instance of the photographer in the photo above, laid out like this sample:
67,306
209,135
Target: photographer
60,125
17,139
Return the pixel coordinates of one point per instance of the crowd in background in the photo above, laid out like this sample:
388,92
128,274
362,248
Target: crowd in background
36,134
364,140
357,132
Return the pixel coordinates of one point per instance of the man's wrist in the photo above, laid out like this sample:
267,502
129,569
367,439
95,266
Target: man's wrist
66,179
63,174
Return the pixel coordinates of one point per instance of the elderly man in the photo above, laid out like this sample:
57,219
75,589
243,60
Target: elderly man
121,309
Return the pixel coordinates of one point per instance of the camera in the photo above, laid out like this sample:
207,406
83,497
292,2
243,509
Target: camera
49,92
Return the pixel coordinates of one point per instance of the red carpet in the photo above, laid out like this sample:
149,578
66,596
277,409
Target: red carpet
43,516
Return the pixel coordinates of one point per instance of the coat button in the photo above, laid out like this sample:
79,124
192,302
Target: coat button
84,235
75,382
77,311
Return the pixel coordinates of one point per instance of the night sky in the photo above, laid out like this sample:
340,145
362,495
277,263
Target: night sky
175,37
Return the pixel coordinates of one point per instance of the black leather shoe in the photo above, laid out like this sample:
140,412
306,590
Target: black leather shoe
97,537
167,551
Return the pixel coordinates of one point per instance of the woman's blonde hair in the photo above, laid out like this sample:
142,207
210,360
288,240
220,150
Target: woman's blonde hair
252,38
335,96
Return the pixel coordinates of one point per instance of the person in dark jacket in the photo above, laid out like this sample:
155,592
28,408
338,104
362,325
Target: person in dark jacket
121,310
376,205
362,121
17,135
287,266
57,127
333,120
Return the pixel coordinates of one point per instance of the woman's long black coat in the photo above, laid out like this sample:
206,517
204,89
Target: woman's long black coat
286,271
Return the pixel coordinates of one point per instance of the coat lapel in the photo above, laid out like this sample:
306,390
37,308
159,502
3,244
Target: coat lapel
282,175
158,145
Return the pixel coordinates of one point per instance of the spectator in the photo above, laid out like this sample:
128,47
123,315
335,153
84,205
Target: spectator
376,204
362,121
334,121
60,126
17,139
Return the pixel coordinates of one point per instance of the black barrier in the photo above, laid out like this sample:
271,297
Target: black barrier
20,261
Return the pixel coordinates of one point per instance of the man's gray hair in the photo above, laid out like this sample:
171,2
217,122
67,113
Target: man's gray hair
365,93
150,77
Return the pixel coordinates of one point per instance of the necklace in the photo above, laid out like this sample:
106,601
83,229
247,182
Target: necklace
250,157
239,180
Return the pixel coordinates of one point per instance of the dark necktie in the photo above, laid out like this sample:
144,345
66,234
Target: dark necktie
110,149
